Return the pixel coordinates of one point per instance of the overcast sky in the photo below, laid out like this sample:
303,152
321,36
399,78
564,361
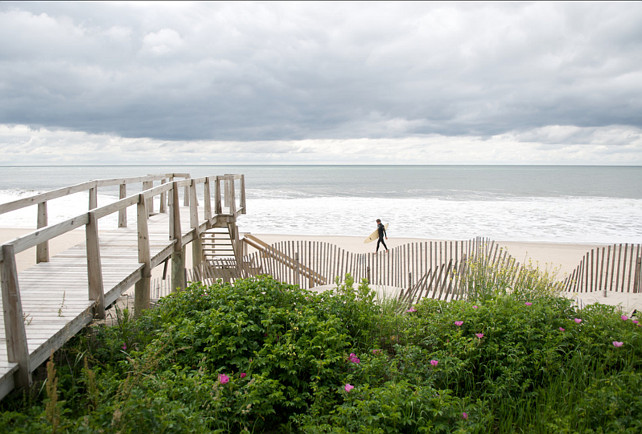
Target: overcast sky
327,82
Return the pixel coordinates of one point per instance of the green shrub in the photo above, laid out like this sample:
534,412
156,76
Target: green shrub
263,356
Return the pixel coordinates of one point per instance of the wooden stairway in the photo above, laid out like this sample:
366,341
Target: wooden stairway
219,243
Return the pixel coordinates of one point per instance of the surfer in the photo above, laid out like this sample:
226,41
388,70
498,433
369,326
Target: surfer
382,233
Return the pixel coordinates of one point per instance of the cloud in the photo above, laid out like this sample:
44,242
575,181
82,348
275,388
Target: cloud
20,144
547,73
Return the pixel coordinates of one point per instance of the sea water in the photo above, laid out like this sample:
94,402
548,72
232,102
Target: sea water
579,204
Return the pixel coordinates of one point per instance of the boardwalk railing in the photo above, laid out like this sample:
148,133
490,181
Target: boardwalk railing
610,268
221,205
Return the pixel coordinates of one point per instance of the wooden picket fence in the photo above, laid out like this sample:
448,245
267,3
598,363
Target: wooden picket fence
610,268
433,269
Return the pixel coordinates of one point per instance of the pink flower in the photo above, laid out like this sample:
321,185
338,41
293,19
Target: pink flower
577,320
635,321
475,307
222,378
528,303
624,317
617,344
376,352
412,309
243,374
348,387
434,362
354,358
124,347
562,329
464,415
479,335
458,323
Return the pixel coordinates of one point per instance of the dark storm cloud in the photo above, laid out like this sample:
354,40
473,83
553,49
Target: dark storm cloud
290,71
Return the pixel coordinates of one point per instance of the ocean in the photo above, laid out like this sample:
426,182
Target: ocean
578,204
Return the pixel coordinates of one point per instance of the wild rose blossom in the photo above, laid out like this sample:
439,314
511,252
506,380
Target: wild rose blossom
479,335
376,352
562,329
577,320
458,323
434,362
412,309
354,358
475,307
243,374
617,344
528,303
348,387
624,317
464,415
124,347
222,378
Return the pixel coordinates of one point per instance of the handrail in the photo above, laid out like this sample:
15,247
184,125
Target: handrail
17,348
84,186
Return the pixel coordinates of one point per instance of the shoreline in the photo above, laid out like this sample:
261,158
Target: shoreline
559,259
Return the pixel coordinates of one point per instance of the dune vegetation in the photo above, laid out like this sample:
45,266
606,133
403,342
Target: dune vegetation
263,356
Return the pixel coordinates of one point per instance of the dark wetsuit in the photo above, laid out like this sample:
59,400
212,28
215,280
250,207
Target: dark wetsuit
382,233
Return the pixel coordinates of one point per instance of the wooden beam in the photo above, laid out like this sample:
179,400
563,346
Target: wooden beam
143,286
178,256
42,249
14,327
122,213
94,267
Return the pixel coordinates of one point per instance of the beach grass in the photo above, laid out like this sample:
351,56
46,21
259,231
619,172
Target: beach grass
264,356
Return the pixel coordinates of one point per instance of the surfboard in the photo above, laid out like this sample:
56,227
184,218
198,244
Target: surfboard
375,235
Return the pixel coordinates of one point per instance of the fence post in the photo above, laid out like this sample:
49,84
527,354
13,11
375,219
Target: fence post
122,213
163,199
14,326
93,197
243,211
186,194
94,267
42,249
218,207
197,245
150,202
142,289
207,201
178,256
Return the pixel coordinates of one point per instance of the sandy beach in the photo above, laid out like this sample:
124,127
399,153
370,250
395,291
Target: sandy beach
558,258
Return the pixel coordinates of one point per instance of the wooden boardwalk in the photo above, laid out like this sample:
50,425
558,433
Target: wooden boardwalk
47,304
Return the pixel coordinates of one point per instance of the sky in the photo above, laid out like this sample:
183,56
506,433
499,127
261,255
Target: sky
320,83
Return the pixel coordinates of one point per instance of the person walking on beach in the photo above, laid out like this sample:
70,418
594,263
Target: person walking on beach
382,233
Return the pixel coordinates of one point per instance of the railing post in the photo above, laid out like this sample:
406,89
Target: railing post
94,267
232,196
227,192
122,214
207,199
42,249
163,199
218,207
243,194
14,326
186,194
197,245
178,256
93,197
142,290
150,202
